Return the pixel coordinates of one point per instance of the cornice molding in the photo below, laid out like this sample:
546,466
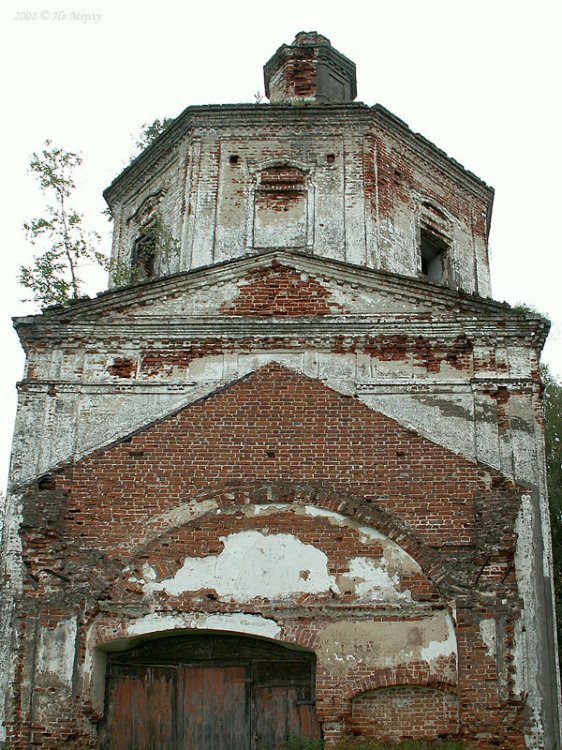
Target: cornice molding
215,117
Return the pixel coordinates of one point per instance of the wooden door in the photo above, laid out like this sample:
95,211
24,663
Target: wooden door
208,693
141,707
213,708
283,704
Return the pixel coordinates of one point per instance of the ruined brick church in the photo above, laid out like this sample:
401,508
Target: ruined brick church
288,479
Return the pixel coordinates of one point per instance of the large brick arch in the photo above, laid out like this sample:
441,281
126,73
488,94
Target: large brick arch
417,674
275,433
352,507
276,427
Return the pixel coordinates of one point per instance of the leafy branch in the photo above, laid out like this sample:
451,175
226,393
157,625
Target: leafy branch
54,275
150,132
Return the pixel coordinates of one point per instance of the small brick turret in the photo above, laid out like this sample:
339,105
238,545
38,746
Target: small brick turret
310,69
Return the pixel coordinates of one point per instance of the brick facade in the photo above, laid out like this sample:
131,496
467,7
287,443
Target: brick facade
290,435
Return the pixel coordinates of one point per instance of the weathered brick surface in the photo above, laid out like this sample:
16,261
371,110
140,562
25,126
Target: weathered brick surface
366,193
281,291
276,425
289,434
404,713
278,437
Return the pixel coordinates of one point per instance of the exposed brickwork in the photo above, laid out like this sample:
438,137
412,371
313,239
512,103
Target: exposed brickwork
278,428
281,291
281,178
404,713
280,413
299,440
122,368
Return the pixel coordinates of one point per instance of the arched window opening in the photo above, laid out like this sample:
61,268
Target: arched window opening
144,253
435,233
433,250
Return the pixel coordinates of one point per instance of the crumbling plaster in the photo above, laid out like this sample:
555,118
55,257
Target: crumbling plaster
366,171
250,567
73,418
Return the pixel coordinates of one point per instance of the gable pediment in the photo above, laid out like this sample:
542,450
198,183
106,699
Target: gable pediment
285,285
278,428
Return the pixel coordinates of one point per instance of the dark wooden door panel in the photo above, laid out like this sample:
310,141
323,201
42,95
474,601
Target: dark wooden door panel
270,712
308,723
281,712
141,708
208,693
213,708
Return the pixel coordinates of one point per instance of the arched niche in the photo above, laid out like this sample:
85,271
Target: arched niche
400,712
274,551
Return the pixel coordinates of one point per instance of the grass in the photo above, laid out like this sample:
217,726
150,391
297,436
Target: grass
407,745
298,743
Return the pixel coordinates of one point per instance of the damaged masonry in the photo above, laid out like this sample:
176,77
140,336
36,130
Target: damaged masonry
291,480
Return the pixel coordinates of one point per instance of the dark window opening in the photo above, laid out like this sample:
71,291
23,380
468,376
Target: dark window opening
144,255
46,482
234,159
432,250
330,158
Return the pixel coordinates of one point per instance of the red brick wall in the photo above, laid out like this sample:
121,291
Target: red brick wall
403,712
281,291
277,436
276,425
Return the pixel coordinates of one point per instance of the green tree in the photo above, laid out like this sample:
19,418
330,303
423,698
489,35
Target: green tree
54,275
553,446
151,131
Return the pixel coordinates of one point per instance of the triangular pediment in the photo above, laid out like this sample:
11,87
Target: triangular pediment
280,284
278,426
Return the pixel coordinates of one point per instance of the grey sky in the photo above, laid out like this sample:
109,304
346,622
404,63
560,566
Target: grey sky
479,78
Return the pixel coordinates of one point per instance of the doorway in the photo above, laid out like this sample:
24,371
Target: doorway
208,692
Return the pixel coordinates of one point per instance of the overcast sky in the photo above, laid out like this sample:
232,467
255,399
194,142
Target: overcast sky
479,78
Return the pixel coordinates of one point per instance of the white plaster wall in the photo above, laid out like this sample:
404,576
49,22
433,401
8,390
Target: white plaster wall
252,564
527,646
345,645
56,653
279,566
11,572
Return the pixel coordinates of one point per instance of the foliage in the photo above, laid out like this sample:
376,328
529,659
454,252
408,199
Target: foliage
156,244
553,447
303,743
407,745
53,277
151,130
298,743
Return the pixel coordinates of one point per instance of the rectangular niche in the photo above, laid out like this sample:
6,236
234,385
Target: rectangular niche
281,208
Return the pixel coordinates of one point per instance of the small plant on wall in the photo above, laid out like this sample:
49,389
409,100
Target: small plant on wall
154,247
